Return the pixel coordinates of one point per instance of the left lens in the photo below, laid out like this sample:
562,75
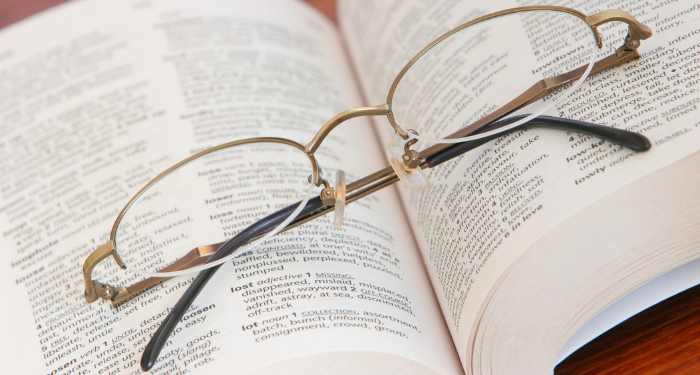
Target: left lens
488,65
209,199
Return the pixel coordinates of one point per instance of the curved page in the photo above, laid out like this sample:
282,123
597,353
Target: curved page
100,96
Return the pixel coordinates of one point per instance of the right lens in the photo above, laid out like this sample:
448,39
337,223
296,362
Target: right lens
487,65
210,199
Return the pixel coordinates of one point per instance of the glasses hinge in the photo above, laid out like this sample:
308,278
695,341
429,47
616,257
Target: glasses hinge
411,158
632,42
110,293
328,196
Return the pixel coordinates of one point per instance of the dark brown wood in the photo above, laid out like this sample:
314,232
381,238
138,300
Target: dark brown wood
326,7
664,339
12,11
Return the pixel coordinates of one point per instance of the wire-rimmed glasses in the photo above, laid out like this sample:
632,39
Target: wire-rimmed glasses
220,202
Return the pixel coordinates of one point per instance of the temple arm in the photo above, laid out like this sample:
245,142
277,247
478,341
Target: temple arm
622,137
160,337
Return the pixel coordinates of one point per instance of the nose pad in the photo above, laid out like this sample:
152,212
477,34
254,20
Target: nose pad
414,178
339,211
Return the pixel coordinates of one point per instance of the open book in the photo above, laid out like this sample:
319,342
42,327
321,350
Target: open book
98,97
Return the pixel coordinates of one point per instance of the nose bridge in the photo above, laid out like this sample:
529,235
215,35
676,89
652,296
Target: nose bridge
339,119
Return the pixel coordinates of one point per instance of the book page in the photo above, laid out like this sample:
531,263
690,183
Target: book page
98,98
487,207
647,295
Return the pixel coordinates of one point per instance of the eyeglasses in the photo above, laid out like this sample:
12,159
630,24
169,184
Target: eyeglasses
261,186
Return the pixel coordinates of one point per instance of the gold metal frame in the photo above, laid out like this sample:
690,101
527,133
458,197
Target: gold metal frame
385,177
543,88
197,256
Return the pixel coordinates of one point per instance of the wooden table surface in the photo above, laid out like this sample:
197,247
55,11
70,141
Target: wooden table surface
664,339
